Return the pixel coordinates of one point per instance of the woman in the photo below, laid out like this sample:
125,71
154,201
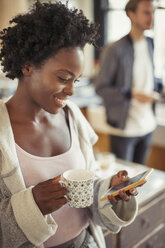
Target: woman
42,134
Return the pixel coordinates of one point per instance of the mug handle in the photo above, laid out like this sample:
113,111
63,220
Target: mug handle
62,182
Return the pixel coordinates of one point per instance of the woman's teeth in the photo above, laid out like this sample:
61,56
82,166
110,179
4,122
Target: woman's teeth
62,102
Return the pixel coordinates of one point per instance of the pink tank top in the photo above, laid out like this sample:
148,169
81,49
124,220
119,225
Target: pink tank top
71,221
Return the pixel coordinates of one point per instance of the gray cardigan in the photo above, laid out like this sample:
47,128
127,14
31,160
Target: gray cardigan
114,82
22,223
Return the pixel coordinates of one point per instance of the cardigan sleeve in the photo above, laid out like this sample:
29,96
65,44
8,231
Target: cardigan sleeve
28,215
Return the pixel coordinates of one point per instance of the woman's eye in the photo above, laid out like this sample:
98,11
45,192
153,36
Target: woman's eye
63,79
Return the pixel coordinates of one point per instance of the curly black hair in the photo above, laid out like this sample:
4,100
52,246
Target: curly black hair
40,33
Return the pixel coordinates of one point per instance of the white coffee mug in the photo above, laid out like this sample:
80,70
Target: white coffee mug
79,185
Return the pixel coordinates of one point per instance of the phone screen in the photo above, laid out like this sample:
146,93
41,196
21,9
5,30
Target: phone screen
126,183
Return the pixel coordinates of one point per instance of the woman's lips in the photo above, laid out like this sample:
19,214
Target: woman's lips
61,103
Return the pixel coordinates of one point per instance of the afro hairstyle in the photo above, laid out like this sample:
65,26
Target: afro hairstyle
40,33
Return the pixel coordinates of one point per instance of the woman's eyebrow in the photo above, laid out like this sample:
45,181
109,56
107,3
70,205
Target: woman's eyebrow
71,73
65,70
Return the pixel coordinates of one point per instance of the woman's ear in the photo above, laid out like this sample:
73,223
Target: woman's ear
27,70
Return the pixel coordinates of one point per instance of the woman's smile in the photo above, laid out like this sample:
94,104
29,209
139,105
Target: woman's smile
60,102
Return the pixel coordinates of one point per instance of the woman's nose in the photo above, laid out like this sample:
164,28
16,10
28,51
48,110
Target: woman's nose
69,89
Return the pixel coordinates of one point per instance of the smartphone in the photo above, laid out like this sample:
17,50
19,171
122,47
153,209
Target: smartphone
133,182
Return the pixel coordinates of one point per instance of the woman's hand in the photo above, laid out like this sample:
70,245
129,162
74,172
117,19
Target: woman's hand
49,195
120,177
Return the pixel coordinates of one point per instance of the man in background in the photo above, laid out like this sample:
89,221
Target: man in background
126,84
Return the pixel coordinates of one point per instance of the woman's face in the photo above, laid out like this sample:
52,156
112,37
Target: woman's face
50,85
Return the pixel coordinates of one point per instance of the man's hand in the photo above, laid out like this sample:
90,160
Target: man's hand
146,98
